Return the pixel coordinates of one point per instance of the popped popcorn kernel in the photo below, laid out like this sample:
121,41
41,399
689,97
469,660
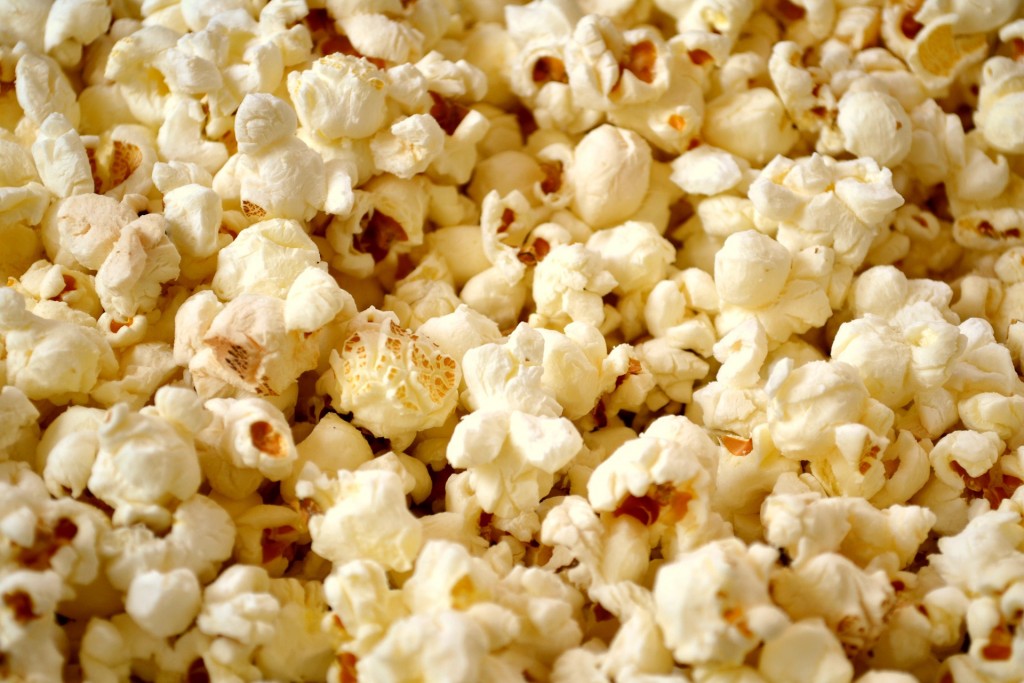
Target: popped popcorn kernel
393,382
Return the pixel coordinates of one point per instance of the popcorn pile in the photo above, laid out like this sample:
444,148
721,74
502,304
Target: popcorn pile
560,340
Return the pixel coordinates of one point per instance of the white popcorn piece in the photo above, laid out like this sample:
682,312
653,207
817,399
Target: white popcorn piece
573,367
164,603
275,175
850,197
50,359
340,96
193,213
708,170
608,549
239,606
509,376
394,382
143,464
607,68
712,603
635,255
421,646
409,146
30,631
141,261
243,344
22,196
873,124
314,300
611,175
963,454
853,603
752,124
19,431
512,456
42,89
265,258
459,331
68,449
982,557
362,516
806,651
755,275
659,482
82,229
997,111
914,354
751,269
252,434
387,219
490,294
182,137
61,159
568,285
822,412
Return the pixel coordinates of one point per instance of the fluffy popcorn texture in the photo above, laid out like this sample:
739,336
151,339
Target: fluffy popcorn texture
819,201
612,169
393,381
50,359
712,603
142,465
585,340
363,517
264,259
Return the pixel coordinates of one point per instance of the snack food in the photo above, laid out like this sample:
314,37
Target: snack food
558,341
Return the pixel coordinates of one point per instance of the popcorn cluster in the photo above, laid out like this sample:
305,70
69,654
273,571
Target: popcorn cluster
624,341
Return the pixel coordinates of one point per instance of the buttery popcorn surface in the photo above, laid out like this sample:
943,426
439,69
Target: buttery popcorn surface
559,340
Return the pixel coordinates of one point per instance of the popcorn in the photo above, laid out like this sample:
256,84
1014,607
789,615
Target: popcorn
608,549
548,222
164,604
252,434
61,159
193,213
394,382
810,644
796,194
275,175
996,112
276,246
43,89
387,218
752,125
82,229
568,285
611,177
512,456
362,516
841,434
340,96
142,259
635,255
414,647
36,350
712,603
755,275
657,481
243,345
143,463
22,196
18,428
874,125
853,603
